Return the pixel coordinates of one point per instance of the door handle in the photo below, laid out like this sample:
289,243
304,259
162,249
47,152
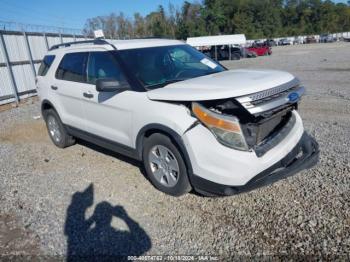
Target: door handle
88,95
54,87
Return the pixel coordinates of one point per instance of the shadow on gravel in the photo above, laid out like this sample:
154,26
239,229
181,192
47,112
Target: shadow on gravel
111,153
126,159
94,238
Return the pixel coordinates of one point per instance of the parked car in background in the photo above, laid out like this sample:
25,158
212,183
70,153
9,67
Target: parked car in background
249,54
346,39
285,41
236,52
326,38
298,40
260,49
270,42
258,42
311,40
223,52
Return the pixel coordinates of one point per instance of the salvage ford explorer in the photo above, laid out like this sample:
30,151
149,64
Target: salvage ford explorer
193,123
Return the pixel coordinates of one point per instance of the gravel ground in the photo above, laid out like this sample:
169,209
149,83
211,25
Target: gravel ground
56,202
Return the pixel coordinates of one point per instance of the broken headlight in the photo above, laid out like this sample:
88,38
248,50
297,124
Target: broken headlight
226,129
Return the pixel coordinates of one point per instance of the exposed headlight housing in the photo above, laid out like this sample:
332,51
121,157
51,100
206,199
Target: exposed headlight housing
226,129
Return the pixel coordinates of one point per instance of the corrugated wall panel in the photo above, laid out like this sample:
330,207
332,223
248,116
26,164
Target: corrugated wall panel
5,83
53,40
2,56
16,47
36,65
67,39
24,77
79,38
17,50
37,46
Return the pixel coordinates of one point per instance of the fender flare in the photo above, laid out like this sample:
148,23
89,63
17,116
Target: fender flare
174,136
46,102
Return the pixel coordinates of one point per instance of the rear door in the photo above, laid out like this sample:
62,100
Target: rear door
108,114
67,88
43,81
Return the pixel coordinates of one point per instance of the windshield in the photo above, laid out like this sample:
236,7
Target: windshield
158,66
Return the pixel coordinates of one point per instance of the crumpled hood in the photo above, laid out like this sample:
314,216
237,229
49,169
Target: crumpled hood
231,83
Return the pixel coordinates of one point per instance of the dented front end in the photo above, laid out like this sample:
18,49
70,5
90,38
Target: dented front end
264,118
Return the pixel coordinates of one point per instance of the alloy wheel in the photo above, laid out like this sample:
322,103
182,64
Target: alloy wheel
164,165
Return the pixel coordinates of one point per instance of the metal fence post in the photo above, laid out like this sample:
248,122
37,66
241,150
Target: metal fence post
9,68
46,42
61,38
229,52
29,52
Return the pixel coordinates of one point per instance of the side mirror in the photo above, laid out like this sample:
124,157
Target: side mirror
110,85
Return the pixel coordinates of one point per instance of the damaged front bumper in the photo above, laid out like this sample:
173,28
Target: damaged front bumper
303,156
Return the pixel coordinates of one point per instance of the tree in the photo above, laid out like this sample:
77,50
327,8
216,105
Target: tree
139,25
254,18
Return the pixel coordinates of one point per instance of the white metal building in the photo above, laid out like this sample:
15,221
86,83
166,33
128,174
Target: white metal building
238,39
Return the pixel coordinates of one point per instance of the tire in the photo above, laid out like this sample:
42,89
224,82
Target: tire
165,166
254,55
235,56
56,130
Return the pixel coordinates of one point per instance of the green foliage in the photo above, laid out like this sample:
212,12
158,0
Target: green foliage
254,18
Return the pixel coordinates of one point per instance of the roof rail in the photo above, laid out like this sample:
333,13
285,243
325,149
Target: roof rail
95,42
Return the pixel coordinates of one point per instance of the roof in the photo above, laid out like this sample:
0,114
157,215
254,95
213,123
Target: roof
118,44
141,43
238,39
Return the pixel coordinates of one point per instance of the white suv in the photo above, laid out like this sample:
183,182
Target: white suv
193,123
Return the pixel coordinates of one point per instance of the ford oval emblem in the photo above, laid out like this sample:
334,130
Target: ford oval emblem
292,97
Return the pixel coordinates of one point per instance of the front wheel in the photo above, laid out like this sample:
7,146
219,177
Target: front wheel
165,166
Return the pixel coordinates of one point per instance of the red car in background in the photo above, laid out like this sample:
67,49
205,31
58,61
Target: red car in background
260,50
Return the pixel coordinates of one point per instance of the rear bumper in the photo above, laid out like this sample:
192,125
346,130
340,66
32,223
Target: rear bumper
303,156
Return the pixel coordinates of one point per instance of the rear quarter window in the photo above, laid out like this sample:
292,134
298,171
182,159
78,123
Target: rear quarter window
72,67
46,64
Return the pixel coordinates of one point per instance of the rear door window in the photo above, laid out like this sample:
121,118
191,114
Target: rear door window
46,64
72,67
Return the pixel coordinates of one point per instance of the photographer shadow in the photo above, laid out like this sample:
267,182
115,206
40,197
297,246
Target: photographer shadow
94,238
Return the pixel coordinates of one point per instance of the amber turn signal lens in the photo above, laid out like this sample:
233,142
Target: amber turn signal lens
210,120
226,129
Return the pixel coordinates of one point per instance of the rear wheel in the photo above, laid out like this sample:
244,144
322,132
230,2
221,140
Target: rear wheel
56,130
165,166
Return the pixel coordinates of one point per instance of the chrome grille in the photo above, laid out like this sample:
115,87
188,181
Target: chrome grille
273,91
274,96
278,96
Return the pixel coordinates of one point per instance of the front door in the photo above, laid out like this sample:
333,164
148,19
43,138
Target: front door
108,114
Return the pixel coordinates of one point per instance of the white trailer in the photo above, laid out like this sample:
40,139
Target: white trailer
217,40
